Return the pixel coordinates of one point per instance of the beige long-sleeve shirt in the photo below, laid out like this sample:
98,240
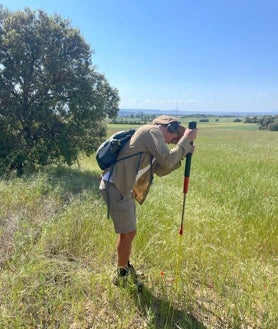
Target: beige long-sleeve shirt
147,154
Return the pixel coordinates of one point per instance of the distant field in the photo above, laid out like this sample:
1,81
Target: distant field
223,122
58,248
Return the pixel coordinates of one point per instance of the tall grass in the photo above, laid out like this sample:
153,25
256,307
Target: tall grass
58,248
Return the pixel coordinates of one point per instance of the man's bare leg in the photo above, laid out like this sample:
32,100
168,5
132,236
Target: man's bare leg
124,245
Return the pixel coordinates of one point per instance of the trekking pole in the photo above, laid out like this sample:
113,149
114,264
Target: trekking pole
191,125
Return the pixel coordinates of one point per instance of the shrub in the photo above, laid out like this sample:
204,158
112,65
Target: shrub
273,126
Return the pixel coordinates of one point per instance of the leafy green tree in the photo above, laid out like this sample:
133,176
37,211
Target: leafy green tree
273,126
53,102
267,122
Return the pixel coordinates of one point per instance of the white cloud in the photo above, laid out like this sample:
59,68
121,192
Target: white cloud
165,103
133,100
263,94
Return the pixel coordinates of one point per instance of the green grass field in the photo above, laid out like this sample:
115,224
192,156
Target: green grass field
58,248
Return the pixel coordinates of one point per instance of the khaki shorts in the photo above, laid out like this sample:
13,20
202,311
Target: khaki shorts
121,208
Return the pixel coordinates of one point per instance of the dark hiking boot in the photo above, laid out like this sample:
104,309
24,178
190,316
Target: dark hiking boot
138,283
126,277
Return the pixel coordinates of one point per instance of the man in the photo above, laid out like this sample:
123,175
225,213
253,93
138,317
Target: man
145,154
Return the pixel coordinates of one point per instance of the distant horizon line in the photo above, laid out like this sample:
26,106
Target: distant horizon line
213,112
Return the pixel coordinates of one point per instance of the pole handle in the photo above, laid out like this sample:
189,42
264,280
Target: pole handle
191,125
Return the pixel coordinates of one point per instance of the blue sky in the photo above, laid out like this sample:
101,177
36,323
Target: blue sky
188,55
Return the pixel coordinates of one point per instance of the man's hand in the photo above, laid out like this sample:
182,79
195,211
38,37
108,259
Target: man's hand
191,134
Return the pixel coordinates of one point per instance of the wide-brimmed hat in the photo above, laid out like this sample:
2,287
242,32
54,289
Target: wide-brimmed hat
167,119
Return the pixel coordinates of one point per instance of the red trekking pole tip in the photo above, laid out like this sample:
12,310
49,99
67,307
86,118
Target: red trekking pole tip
185,185
181,230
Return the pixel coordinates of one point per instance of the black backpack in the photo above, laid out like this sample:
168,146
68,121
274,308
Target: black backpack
106,154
